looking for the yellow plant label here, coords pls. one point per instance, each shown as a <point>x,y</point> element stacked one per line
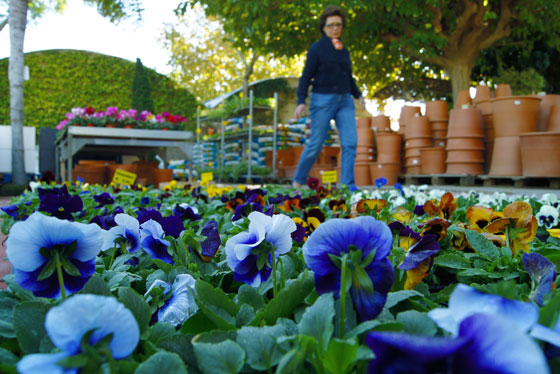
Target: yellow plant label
<point>124,177</point>
<point>329,176</point>
<point>206,177</point>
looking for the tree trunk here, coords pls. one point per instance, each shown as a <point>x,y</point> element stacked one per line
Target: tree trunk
<point>460,76</point>
<point>17,21</point>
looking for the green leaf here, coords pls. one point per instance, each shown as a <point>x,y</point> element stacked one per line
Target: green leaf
<point>482,245</point>
<point>317,321</point>
<point>548,314</point>
<point>47,270</point>
<point>7,305</point>
<point>136,304</point>
<point>361,328</point>
<point>180,344</point>
<point>295,357</point>
<point>226,357</point>
<point>163,265</point>
<point>29,320</point>
<point>95,285</point>
<point>285,302</point>
<point>159,331</point>
<point>16,289</point>
<point>417,323</point>
<point>259,343</point>
<point>162,362</point>
<point>69,267</point>
<point>197,324</point>
<point>249,295</point>
<point>452,260</point>
<point>340,356</point>
<point>212,296</point>
<point>8,357</point>
<point>393,298</point>
<point>245,315</point>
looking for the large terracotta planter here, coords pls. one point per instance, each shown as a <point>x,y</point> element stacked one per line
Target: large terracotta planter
<point>460,168</point>
<point>162,176</point>
<point>506,156</point>
<point>363,122</point>
<point>554,119</point>
<point>540,154</point>
<point>440,142</point>
<point>92,174</point>
<point>439,134</point>
<point>485,106</point>
<point>465,155</point>
<point>465,122</point>
<point>463,98</point>
<point>388,147</point>
<point>389,171</point>
<point>514,115</point>
<point>545,110</point>
<point>465,143</point>
<point>362,174</point>
<point>503,90</point>
<point>482,93</point>
<point>382,123</point>
<point>418,142</point>
<point>437,110</point>
<point>364,157</point>
<point>418,127</point>
<point>412,152</point>
<point>413,165</point>
<point>432,160</point>
<point>365,136</point>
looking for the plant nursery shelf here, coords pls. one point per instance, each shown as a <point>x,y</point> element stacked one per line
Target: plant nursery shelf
<point>116,141</point>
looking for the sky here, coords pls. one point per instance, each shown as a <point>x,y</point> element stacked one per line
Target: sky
<point>81,27</point>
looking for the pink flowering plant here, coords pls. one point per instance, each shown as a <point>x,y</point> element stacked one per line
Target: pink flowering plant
<point>115,117</point>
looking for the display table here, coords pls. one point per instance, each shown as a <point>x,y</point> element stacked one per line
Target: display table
<point>116,141</point>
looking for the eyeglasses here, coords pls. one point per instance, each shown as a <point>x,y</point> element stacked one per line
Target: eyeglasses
<point>334,25</point>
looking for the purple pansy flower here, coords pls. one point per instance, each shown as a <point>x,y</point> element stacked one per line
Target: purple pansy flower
<point>426,246</point>
<point>368,243</point>
<point>153,243</point>
<point>542,273</point>
<point>249,254</point>
<point>34,245</point>
<point>186,212</point>
<point>104,199</point>
<point>59,203</point>
<point>172,225</point>
<point>107,220</point>
<point>212,243</point>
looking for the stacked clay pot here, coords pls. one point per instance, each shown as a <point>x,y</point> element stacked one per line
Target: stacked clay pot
<point>483,101</point>
<point>438,114</point>
<point>548,116</point>
<point>432,160</point>
<point>418,135</point>
<point>388,165</point>
<point>465,142</point>
<point>381,123</point>
<point>407,111</point>
<point>365,151</point>
<point>540,154</point>
<point>513,115</point>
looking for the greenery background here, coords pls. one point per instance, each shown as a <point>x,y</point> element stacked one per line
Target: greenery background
<point>64,79</point>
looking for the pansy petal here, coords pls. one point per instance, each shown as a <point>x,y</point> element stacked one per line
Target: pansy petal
<point>379,234</point>
<point>182,303</point>
<point>542,272</point>
<point>43,364</point>
<point>278,233</point>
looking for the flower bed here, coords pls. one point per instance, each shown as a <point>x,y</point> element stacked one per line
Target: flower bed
<point>221,280</point>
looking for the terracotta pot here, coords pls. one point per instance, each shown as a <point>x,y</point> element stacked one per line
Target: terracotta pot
<point>545,111</point>
<point>540,154</point>
<point>418,142</point>
<point>388,147</point>
<point>432,160</point>
<point>412,152</point>
<point>482,93</point>
<point>381,123</point>
<point>554,118</point>
<point>111,125</point>
<point>92,174</point>
<point>465,143</point>
<point>440,125</point>
<point>162,176</point>
<point>439,134</point>
<point>90,125</point>
<point>488,155</point>
<point>95,162</point>
<point>285,157</point>
<point>407,111</point>
<point>418,127</point>
<point>437,110</point>
<point>506,156</point>
<point>363,122</point>
<point>413,170</point>
<point>210,131</point>
<point>389,171</point>
<point>465,122</point>
<point>363,149</point>
<point>485,106</point>
<point>132,126</point>
<point>365,136</point>
<point>472,168</point>
<point>364,157</point>
<point>362,174</point>
<point>488,127</point>
<point>412,161</point>
<point>145,171</point>
<point>465,155</point>
<point>514,115</point>
<point>440,142</point>
<point>502,90</point>
<point>463,98</point>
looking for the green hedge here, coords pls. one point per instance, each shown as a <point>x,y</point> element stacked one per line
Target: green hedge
<point>64,79</point>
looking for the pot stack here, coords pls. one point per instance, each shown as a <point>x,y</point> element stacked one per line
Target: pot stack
<point>513,115</point>
<point>365,151</point>
<point>407,111</point>
<point>465,142</point>
<point>438,114</point>
<point>418,135</point>
<point>388,163</point>
<point>483,102</point>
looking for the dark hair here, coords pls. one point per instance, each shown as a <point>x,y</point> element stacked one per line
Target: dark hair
<point>332,10</point>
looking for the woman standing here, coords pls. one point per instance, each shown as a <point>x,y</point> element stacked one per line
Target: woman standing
<point>328,70</point>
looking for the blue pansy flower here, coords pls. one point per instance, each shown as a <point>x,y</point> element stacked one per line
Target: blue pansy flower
<point>107,220</point>
<point>426,247</point>
<point>399,187</point>
<point>172,225</point>
<point>103,199</point>
<point>380,182</point>
<point>67,324</point>
<point>485,344</point>
<point>181,305</point>
<point>145,200</point>
<point>542,273</point>
<point>59,203</point>
<point>185,211</point>
<point>210,245</point>
<point>38,243</point>
<point>249,254</point>
<point>127,229</point>
<point>367,242</point>
<point>151,235</point>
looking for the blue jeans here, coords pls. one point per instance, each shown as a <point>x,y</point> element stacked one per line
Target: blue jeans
<point>323,108</point>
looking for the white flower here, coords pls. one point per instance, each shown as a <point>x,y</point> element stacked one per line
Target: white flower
<point>547,216</point>
<point>549,199</point>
